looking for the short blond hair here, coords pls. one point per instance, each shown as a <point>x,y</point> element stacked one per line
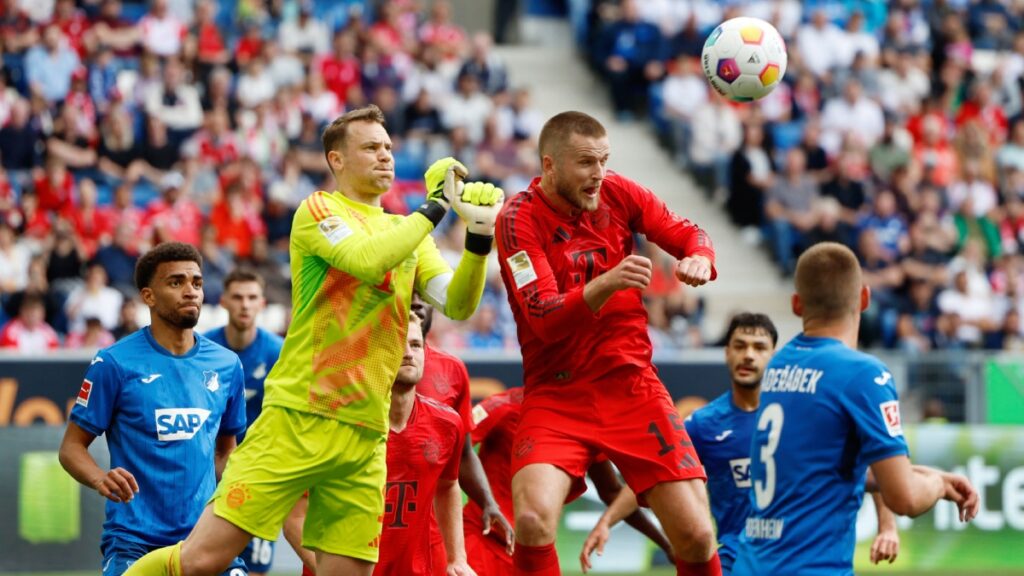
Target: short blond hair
<point>828,281</point>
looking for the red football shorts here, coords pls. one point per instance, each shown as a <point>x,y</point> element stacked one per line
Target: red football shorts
<point>627,415</point>
<point>486,555</point>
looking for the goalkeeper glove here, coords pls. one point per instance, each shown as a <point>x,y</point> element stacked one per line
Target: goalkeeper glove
<point>444,181</point>
<point>478,206</point>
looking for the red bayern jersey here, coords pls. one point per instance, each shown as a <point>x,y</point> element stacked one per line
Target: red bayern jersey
<point>496,419</point>
<point>547,257</point>
<point>446,380</point>
<point>419,456</point>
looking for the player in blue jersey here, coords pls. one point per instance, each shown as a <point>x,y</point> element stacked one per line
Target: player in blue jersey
<point>170,402</point>
<point>721,433</point>
<point>827,414</point>
<point>258,350</point>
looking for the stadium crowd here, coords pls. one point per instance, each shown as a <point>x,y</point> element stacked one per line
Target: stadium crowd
<point>125,124</point>
<point>898,130</point>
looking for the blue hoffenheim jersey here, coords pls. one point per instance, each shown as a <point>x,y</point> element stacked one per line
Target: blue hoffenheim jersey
<point>827,412</point>
<point>162,415</point>
<point>257,360</point>
<point>721,434</point>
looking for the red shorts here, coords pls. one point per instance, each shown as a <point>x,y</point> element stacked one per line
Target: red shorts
<point>627,415</point>
<point>486,554</point>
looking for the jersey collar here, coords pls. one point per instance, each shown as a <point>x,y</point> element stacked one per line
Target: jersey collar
<point>156,345</point>
<point>364,209</point>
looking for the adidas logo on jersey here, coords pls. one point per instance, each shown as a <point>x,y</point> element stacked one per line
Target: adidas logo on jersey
<point>179,423</point>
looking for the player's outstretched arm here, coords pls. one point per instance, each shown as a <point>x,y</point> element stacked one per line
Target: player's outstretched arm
<point>623,505</point>
<point>910,490</point>
<point>448,507</point>
<point>473,481</point>
<point>886,545</point>
<point>118,484</point>
<point>608,489</point>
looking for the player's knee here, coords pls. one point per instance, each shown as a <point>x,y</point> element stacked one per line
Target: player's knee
<point>695,543</point>
<point>534,528</point>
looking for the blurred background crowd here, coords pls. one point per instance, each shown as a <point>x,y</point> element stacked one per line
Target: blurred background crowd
<point>897,130</point>
<point>125,124</point>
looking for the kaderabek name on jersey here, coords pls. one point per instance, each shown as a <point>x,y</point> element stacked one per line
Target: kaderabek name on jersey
<point>791,378</point>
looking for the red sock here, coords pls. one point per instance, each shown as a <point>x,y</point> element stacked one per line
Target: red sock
<point>712,567</point>
<point>536,560</point>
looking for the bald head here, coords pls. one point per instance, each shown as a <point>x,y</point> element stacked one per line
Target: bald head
<point>828,282</point>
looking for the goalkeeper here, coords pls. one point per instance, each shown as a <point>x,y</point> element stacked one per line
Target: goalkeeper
<point>325,418</point>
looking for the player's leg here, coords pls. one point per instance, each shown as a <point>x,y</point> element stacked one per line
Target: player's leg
<point>651,449</point>
<point>538,494</point>
<point>212,545</point>
<point>346,508</point>
<point>682,508</point>
<point>258,556</point>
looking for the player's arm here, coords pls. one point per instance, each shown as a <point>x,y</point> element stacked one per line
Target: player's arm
<point>118,484</point>
<point>886,545</point>
<point>225,446</point>
<point>676,235</point>
<point>448,507</point>
<point>608,489</point>
<point>369,257</point>
<point>473,481</point>
<point>551,314</point>
<point>623,505</point>
<point>293,532</point>
<point>477,204</point>
<point>910,490</point>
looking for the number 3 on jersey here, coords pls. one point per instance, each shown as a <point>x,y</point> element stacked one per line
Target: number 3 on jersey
<point>771,420</point>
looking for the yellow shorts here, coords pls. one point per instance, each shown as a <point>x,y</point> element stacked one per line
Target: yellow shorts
<point>286,453</point>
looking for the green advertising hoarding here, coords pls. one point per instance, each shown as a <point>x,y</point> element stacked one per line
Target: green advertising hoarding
<point>991,456</point>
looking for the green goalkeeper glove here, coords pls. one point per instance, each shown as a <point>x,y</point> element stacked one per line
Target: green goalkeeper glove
<point>444,181</point>
<point>478,206</point>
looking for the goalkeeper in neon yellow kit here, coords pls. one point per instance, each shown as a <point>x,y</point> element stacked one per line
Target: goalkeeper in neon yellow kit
<point>325,415</point>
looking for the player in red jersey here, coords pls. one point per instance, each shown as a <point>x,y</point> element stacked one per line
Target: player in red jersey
<point>565,248</point>
<point>446,380</point>
<point>496,419</point>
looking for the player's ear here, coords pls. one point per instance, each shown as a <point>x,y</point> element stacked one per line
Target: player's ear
<point>797,305</point>
<point>335,160</point>
<point>547,164</point>
<point>148,298</point>
<point>865,297</point>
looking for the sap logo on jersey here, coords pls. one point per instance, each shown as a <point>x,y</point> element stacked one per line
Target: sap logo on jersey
<point>740,472</point>
<point>179,423</point>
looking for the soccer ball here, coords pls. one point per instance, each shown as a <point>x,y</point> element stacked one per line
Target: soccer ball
<point>744,58</point>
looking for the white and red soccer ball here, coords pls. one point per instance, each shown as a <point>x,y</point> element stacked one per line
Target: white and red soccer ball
<point>744,58</point>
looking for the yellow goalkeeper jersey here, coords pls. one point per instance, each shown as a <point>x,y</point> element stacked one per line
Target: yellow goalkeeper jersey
<point>354,269</point>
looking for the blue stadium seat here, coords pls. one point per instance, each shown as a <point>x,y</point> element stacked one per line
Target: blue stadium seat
<point>133,11</point>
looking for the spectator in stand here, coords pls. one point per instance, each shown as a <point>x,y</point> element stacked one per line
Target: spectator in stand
<point>973,311</point>
<point>916,326</point>
<point>92,337</point>
<point>127,321</point>
<point>91,225</point>
<point>174,101</point>
<point>304,34</point>
<point>883,274</point>
<point>485,65</point>
<point>49,66</point>
<point>468,108</point>
<point>716,137</point>
<point>29,333</point>
<point>972,226</point>
<point>237,222</point>
<point>1011,154</point>
<point>14,261</point>
<point>161,32</point>
<point>64,263</point>
<point>174,217</point>
<point>632,55</point>
<point>440,32</point>
<point>21,140</point>
<point>854,114</point>
<point>119,154</point>
<point>815,34</point>
<point>750,176</point>
<point>341,68</point>
<point>206,43</point>
<point>93,299</point>
<point>888,225</point>
<point>850,190</point>
<point>789,209</point>
<point>684,93</point>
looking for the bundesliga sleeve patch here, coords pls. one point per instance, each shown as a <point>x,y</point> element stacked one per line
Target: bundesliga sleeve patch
<point>521,267</point>
<point>479,414</point>
<point>891,415</point>
<point>334,229</point>
<point>83,394</point>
